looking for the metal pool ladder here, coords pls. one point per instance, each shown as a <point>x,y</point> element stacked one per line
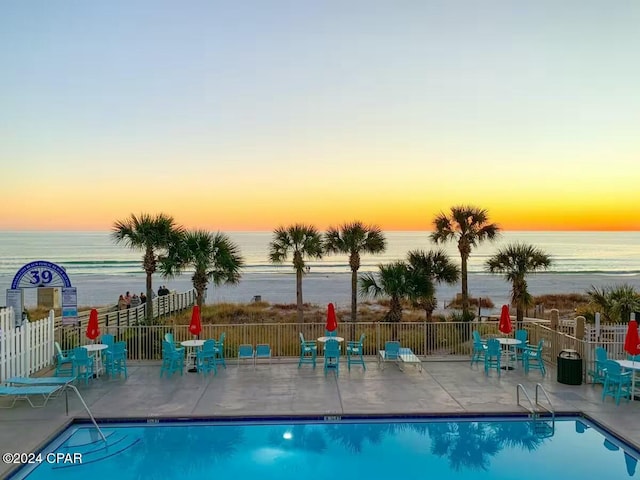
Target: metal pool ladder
<point>542,425</point>
<point>72,387</point>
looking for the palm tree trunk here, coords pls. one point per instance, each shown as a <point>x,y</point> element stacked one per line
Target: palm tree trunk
<point>465,288</point>
<point>299,295</point>
<point>149,303</point>
<point>354,302</point>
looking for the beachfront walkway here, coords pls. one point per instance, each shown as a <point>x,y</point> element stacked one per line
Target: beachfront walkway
<point>283,389</point>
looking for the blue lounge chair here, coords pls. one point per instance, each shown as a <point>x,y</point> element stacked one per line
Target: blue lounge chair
<point>36,381</point>
<point>391,353</point>
<point>308,351</point>
<point>355,352</point>
<point>263,350</point>
<point>492,356</point>
<point>617,384</point>
<point>332,356</point>
<point>245,352</point>
<point>25,392</point>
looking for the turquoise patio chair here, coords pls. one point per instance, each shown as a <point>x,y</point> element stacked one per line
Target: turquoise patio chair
<point>308,351</point>
<point>492,356</point>
<point>206,357</point>
<point>219,357</point>
<point>83,364</point>
<point>64,362</point>
<point>116,362</point>
<point>355,352</point>
<point>109,340</point>
<point>245,352</point>
<point>599,369</point>
<point>168,337</point>
<point>332,356</point>
<point>172,359</point>
<point>617,384</point>
<point>520,348</point>
<point>532,358</point>
<point>391,353</point>
<point>263,350</point>
<point>479,348</point>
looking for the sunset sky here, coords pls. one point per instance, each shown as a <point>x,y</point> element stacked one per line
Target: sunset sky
<point>246,115</point>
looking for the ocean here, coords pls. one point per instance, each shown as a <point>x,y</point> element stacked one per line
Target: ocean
<point>102,270</point>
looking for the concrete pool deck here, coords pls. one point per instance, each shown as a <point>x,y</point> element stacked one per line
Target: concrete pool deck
<point>442,387</point>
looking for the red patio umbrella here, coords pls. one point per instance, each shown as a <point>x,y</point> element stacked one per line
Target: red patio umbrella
<point>505,320</point>
<point>631,339</point>
<point>195,327</point>
<point>93,330</point>
<point>332,322</point>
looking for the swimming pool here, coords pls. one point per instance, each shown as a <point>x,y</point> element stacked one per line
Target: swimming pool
<point>413,448</point>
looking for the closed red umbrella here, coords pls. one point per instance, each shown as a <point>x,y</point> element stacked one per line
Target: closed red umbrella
<point>93,330</point>
<point>332,322</point>
<point>195,327</point>
<point>631,339</point>
<point>505,320</point>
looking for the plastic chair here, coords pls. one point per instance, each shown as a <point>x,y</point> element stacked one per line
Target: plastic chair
<point>172,359</point>
<point>332,356</point>
<point>617,384</point>
<point>479,348</point>
<point>532,357</point>
<point>206,357</point>
<point>168,337</point>
<point>354,353</point>
<point>117,361</point>
<point>245,352</point>
<point>492,356</point>
<point>64,362</point>
<point>219,357</point>
<point>599,369</point>
<point>83,364</point>
<point>308,351</point>
<point>109,340</point>
<point>519,348</point>
<point>391,353</point>
<point>334,333</point>
<point>263,350</point>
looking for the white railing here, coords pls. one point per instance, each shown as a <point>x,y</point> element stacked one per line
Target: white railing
<point>25,349</point>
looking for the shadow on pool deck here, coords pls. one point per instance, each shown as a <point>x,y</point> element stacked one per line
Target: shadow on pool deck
<point>447,387</point>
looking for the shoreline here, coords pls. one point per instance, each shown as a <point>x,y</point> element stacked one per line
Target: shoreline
<point>323,288</point>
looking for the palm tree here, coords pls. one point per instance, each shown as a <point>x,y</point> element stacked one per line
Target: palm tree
<point>469,226</point>
<point>214,257</point>
<point>301,241</point>
<point>615,302</point>
<point>151,234</point>
<point>355,238</point>
<point>399,282</point>
<point>516,261</point>
<point>436,265</point>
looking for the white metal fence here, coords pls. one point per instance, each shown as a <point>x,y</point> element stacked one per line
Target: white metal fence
<point>25,349</point>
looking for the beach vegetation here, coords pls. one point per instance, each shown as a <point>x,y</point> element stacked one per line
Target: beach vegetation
<point>152,234</point>
<point>212,256</point>
<point>468,226</point>
<point>614,303</point>
<point>516,261</point>
<point>438,267</point>
<point>301,242</point>
<point>354,239</point>
<point>398,282</point>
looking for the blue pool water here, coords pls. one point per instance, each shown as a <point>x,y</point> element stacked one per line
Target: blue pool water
<point>460,448</point>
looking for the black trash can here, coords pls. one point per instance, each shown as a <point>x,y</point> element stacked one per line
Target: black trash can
<point>569,367</point>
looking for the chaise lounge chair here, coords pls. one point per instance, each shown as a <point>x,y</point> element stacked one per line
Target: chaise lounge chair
<point>23,393</point>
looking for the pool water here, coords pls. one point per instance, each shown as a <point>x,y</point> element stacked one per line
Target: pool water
<point>460,448</point>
